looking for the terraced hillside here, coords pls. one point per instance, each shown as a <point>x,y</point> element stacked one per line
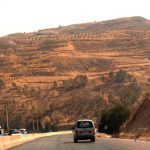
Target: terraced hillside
<point>62,74</point>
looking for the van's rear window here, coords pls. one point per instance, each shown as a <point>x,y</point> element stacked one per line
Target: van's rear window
<point>84,124</point>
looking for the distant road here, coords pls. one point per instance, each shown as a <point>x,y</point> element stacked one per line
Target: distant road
<point>65,142</point>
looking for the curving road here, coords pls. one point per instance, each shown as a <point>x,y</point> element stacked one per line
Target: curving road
<point>65,142</point>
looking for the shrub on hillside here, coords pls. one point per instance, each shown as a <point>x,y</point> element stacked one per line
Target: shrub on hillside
<point>148,79</point>
<point>130,93</point>
<point>113,118</point>
<point>14,85</point>
<point>42,73</point>
<point>33,92</point>
<point>2,84</point>
<point>121,76</point>
<point>78,82</point>
<point>111,74</point>
<point>102,78</point>
<point>55,84</point>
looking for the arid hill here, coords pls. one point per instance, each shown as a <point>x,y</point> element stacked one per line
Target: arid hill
<point>62,74</point>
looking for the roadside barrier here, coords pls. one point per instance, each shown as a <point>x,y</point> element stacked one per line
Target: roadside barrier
<point>14,140</point>
<point>6,141</point>
<point>1,143</point>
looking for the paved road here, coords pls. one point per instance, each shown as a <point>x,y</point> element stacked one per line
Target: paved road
<point>65,142</point>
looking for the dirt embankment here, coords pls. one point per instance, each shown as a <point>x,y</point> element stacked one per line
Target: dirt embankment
<point>139,127</point>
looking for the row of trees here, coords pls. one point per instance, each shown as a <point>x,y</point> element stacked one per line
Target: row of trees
<point>78,82</point>
<point>120,76</point>
<point>29,91</point>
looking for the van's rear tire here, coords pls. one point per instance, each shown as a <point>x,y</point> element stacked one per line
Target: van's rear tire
<point>75,141</point>
<point>93,139</point>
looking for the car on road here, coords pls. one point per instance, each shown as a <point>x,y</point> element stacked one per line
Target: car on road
<point>14,132</point>
<point>84,130</point>
<point>30,131</point>
<point>1,132</point>
<point>23,131</point>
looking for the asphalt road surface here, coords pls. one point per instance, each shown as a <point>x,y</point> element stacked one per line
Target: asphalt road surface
<point>65,142</point>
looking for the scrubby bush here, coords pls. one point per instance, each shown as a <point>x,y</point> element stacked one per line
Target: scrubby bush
<point>148,79</point>
<point>121,76</point>
<point>130,93</point>
<point>2,84</point>
<point>113,118</point>
<point>14,85</point>
<point>111,74</point>
<point>55,84</point>
<point>42,73</point>
<point>33,91</point>
<point>102,78</point>
<point>78,82</point>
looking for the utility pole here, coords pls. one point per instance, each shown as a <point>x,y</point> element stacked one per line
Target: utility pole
<point>7,117</point>
<point>35,116</point>
<point>37,123</point>
<point>33,125</point>
<point>49,127</point>
<point>6,113</point>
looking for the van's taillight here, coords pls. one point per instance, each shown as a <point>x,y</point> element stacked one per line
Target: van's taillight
<point>75,131</point>
<point>93,131</point>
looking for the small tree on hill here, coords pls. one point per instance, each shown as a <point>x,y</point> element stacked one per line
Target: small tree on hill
<point>113,118</point>
<point>32,91</point>
<point>14,85</point>
<point>111,74</point>
<point>102,78</point>
<point>121,76</point>
<point>79,81</point>
<point>2,84</point>
<point>55,85</point>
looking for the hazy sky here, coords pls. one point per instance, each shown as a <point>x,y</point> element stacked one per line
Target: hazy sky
<point>31,15</point>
